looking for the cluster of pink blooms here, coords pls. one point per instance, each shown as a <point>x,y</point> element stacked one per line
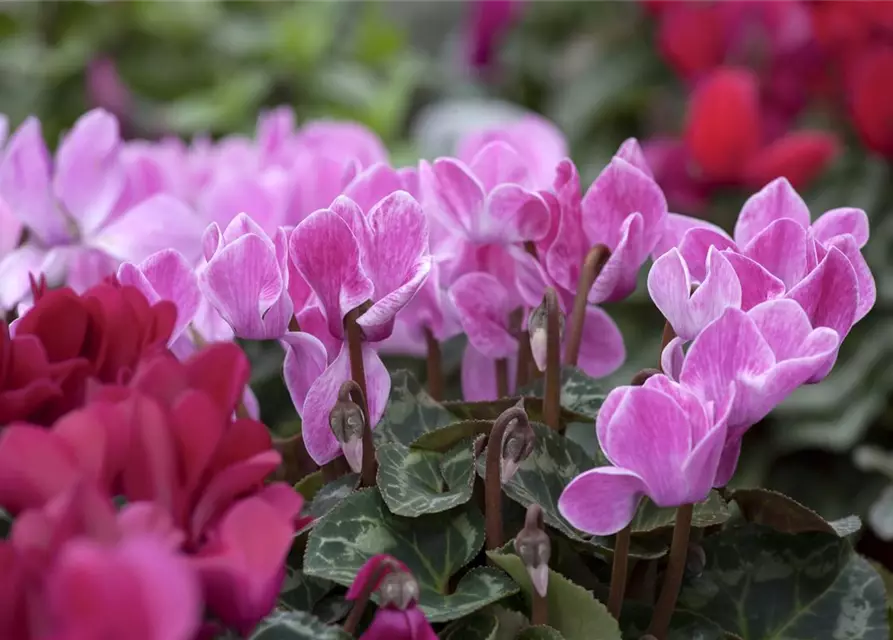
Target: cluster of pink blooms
<point>762,65</point>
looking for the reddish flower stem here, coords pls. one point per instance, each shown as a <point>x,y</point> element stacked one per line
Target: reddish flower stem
<point>552,396</point>
<point>502,378</point>
<point>666,602</point>
<point>492,479</point>
<point>592,267</point>
<point>434,365</point>
<point>358,375</point>
<point>525,360</point>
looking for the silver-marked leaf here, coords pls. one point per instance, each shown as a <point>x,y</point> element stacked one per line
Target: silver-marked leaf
<point>580,393</point>
<point>685,625</point>
<point>410,412</point>
<point>302,593</point>
<point>511,622</point>
<point>490,409</point>
<point>542,632</point>
<point>414,482</point>
<point>762,584</point>
<point>447,437</point>
<point>712,511</point>
<point>297,625</point>
<point>434,547</point>
<point>573,610</point>
<point>776,510</point>
<point>482,625</point>
<point>328,496</point>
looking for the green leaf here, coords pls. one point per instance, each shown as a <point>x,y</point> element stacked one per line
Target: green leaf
<point>711,512</point>
<point>685,625</point>
<point>511,622</point>
<point>482,625</point>
<point>328,496</point>
<point>297,625</point>
<point>762,584</point>
<point>579,392</point>
<point>410,412</point>
<point>573,610</point>
<point>302,593</point>
<point>434,547</point>
<point>447,437</point>
<point>490,409</point>
<point>413,482</point>
<point>541,632</point>
<point>784,514</point>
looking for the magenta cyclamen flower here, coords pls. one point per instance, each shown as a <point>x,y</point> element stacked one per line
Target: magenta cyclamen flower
<point>68,206</point>
<point>351,259</point>
<point>246,278</point>
<point>664,441</point>
<point>752,361</point>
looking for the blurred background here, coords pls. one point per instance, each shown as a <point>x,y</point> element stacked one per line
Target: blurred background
<point>724,96</point>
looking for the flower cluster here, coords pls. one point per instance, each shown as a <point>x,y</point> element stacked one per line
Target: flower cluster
<point>762,65</point>
<point>96,408</point>
<point>764,313</point>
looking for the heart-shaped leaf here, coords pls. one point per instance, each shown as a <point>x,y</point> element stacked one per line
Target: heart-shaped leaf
<point>327,497</point>
<point>297,625</point>
<point>490,409</point>
<point>649,518</point>
<point>445,438</point>
<point>776,510</point>
<point>541,632</point>
<point>482,625</point>
<point>573,611</point>
<point>410,412</point>
<point>760,583</point>
<point>414,482</point>
<point>302,593</point>
<point>434,547</point>
<point>580,393</point>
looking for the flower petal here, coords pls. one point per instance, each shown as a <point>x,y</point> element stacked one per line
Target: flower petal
<point>372,185</point>
<point>483,306</point>
<point>620,273</point>
<point>15,267</point>
<point>782,248</point>
<point>675,228</point>
<point>757,284</point>
<point>512,214</point>
<point>695,246</point>
<point>602,350</point>
<point>776,201</point>
<point>838,222</point>
<point>457,194</point>
<point>631,152</point>
<point>830,294</point>
<point>478,375</point>
<point>849,245</point>
<point>305,360</point>
<point>498,163</point>
<point>601,501</point>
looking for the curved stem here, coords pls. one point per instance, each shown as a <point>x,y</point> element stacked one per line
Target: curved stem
<point>358,375</point>
<point>666,602</point>
<point>552,396</point>
<point>434,366</point>
<point>362,600</point>
<point>592,266</point>
<point>492,480</point>
<point>619,571</point>
<point>502,378</point>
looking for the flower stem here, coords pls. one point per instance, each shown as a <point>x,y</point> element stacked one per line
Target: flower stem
<point>592,267</point>
<point>525,359</point>
<point>619,570</point>
<point>539,610</point>
<point>502,378</point>
<point>435,366</point>
<point>666,602</point>
<point>552,399</point>
<point>358,375</point>
<point>492,479</point>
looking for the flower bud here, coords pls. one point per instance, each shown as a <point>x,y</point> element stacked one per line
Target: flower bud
<point>538,328</point>
<point>517,444</point>
<point>347,423</point>
<point>534,548</point>
<point>399,589</point>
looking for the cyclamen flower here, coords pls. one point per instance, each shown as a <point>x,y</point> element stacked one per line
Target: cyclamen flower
<point>664,441</point>
<point>349,259</point>
<point>752,361</point>
<point>75,569</point>
<point>247,278</point>
<point>67,207</point>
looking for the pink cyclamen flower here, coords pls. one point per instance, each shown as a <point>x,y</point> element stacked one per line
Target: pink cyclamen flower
<point>775,244</point>
<point>246,279</point>
<point>664,442</point>
<point>67,205</point>
<point>752,360</point>
<point>348,259</point>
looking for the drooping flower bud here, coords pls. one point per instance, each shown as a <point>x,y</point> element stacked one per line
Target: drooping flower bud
<point>399,589</point>
<point>347,423</point>
<point>534,547</point>
<point>517,444</point>
<point>537,327</point>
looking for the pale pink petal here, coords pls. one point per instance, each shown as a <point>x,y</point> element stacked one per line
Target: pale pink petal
<point>830,294</point>
<point>565,253</point>
<point>620,273</point>
<point>757,284</point>
<point>782,248</point>
<point>633,154</point>
<point>10,229</point>
<point>458,196</point>
<point>838,222</point>
<point>232,193</point>
<point>344,139</point>
<point>702,465</point>
<point>672,357</point>
<point>161,222</point>
<point>25,184</point>
<point>89,177</point>
<point>849,246</point>
<point>719,291</point>
<point>166,275</point>
<point>498,163</point>
<point>305,360</point>
<point>776,201</point>
<point>601,501</point>
<point>86,267</point>
<point>210,325</point>
<point>326,253</point>
<point>675,228</point>
<point>478,375</point>
<point>483,306</point>
<point>396,260</point>
<point>15,267</point>
<point>318,437</point>
<point>601,351</point>
<point>696,244</point>
<point>728,462</point>
<point>512,214</point>
<point>619,191</point>
<point>373,185</point>
<point>669,286</point>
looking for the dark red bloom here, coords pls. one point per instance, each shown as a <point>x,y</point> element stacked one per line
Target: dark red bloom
<point>66,339</point>
<point>871,99</point>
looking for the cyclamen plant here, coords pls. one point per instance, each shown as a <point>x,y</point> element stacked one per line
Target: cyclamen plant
<point>145,496</point>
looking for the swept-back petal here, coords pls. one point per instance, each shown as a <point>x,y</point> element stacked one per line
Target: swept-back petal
<point>483,306</point>
<point>776,201</point>
<point>602,501</point>
<point>842,221</point>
